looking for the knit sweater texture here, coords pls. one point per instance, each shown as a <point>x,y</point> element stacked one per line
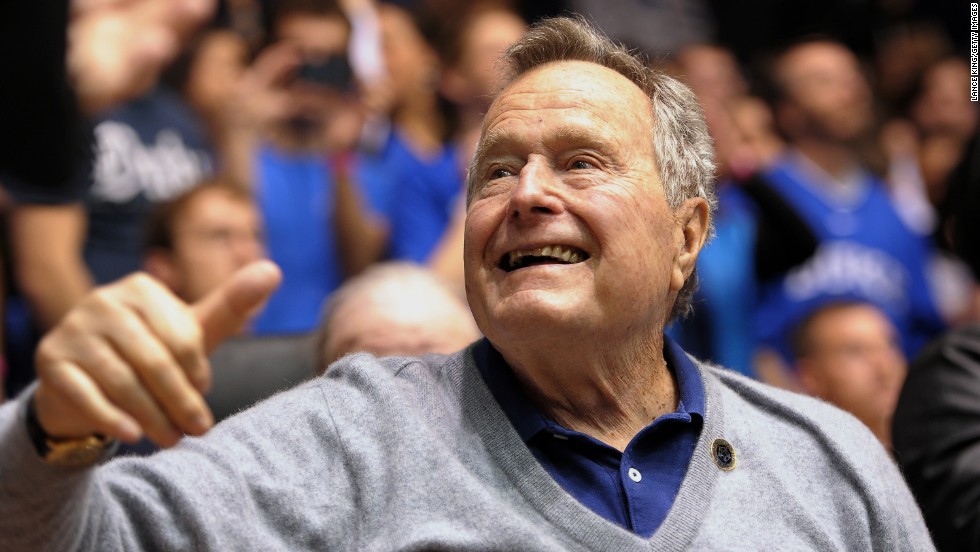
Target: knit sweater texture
<point>415,454</point>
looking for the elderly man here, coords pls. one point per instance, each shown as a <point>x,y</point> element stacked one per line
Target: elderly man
<point>575,425</point>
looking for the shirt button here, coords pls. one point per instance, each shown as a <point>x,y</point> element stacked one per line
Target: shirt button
<point>635,475</point>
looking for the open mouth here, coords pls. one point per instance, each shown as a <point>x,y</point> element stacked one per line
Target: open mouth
<point>549,254</point>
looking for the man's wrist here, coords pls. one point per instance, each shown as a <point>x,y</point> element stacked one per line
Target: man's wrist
<point>71,452</point>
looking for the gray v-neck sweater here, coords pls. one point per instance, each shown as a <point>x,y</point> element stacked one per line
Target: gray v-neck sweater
<point>415,454</point>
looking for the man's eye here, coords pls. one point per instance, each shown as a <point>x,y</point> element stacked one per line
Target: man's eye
<point>579,165</point>
<point>500,173</point>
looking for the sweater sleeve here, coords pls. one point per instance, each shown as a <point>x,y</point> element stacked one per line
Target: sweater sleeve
<point>42,507</point>
<point>268,478</point>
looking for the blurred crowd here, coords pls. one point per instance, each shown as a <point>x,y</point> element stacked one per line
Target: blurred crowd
<point>331,136</point>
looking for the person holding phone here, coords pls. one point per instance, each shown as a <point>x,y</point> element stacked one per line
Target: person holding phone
<point>296,121</point>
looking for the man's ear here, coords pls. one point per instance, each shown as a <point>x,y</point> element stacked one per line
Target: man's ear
<point>692,219</point>
<point>159,264</point>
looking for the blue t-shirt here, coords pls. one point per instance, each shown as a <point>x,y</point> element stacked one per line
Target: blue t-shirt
<point>147,151</point>
<point>421,195</point>
<point>866,253</point>
<point>634,488</point>
<point>295,194</point>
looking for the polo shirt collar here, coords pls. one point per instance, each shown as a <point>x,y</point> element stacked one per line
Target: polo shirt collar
<point>528,420</point>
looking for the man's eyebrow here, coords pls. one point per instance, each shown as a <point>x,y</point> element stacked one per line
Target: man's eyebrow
<point>490,140</point>
<point>562,137</point>
<point>579,137</point>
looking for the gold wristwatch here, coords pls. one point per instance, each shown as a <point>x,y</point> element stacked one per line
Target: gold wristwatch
<point>69,453</point>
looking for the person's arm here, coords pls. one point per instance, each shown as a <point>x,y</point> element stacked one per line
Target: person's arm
<point>117,48</point>
<point>783,239</point>
<point>362,235</point>
<point>128,360</point>
<point>259,480</point>
<point>259,104</point>
<point>47,243</point>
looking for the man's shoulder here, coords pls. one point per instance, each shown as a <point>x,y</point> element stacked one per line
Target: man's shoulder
<point>809,464</point>
<point>786,421</point>
<point>429,387</point>
<point>367,369</point>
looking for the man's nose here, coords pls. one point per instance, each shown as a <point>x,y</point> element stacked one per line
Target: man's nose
<point>538,190</point>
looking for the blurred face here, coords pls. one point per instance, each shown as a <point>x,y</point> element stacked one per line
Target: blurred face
<point>568,227</point>
<point>486,39</point>
<point>218,66</point>
<point>215,236</point>
<point>856,363</point>
<point>712,72</point>
<point>828,96</point>
<point>754,125</point>
<point>944,106</point>
<point>318,38</point>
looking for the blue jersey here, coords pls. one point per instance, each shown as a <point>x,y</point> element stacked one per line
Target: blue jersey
<point>866,253</point>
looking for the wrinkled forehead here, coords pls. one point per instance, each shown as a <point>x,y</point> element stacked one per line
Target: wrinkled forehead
<point>564,102</point>
<point>568,84</point>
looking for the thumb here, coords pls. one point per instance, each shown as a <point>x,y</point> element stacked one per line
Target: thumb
<point>224,311</point>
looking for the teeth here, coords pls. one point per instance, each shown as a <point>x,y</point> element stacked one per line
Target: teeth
<point>555,251</point>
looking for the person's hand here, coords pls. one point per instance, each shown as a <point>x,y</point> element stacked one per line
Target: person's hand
<point>131,358</point>
<point>117,48</point>
<point>262,98</point>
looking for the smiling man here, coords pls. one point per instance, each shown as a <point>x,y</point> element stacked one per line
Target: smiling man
<point>574,425</point>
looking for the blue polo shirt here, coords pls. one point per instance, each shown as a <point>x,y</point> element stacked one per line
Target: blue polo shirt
<point>635,488</point>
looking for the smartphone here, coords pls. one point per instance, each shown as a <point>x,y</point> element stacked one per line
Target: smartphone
<point>332,72</point>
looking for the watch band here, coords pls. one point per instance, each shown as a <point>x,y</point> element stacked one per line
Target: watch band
<point>76,452</point>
